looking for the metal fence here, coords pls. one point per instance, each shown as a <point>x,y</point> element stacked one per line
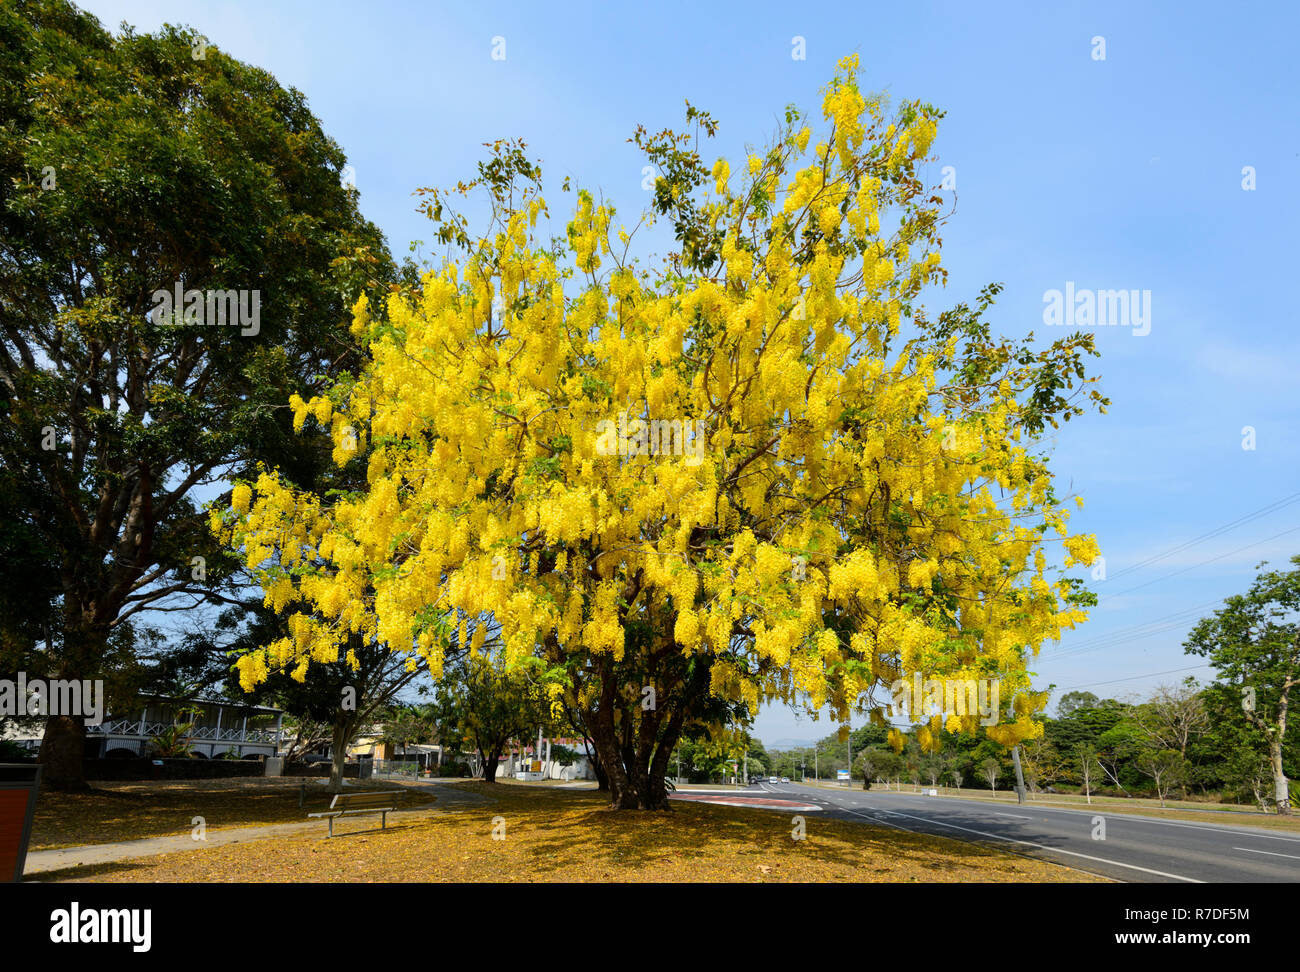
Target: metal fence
<point>396,768</point>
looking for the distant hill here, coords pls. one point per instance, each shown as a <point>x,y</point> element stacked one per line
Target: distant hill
<point>789,744</point>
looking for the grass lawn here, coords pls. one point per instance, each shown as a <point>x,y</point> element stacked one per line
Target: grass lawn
<point>554,834</point>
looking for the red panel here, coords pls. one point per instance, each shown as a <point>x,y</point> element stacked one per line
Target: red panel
<point>13,813</point>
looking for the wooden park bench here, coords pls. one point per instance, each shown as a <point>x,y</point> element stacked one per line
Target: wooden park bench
<point>375,801</point>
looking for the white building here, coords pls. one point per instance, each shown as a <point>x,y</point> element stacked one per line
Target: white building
<point>219,726</point>
<point>535,762</point>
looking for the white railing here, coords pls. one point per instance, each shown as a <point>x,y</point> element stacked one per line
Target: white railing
<point>204,734</point>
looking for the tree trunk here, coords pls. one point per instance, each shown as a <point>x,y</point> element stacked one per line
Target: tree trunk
<point>657,785</point>
<point>490,762</point>
<point>1281,790</point>
<point>63,745</point>
<point>636,778</point>
<point>602,778</point>
<point>575,719</point>
<point>339,754</point>
<point>63,748</point>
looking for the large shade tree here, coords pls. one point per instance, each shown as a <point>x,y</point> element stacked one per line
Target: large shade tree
<point>1253,643</point>
<point>759,470</point>
<point>133,164</point>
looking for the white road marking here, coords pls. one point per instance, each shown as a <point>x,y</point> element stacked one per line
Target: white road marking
<point>1269,853</point>
<point>887,823</point>
<point>1030,843</point>
<point>1016,815</point>
<point>1099,810</point>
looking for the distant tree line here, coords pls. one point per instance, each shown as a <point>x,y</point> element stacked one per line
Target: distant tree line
<point>1229,740</point>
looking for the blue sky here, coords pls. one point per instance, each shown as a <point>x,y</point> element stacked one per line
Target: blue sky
<point>1122,173</point>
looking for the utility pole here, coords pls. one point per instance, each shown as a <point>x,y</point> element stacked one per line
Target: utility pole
<point>1020,777</point>
<point>1015,755</point>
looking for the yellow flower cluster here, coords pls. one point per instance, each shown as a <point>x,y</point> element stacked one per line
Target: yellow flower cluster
<point>805,468</point>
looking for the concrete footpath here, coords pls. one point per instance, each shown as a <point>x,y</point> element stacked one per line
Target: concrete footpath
<point>449,797</point>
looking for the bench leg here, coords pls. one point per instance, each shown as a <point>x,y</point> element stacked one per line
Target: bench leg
<point>383,820</point>
<point>331,820</point>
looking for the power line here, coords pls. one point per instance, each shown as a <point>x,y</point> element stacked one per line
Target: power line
<point>1217,531</point>
<point>1132,678</point>
<point>1118,642</point>
<point>1138,632</point>
<point>1203,563</point>
<point>1171,621</point>
<point>1124,633</point>
<point>1158,625</point>
<point>1175,619</point>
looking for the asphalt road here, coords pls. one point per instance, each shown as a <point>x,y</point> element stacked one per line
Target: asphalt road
<point>1134,848</point>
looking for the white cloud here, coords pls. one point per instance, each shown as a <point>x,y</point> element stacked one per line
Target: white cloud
<point>1248,365</point>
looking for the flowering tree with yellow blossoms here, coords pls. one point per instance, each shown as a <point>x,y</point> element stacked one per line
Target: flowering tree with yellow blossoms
<point>758,471</point>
